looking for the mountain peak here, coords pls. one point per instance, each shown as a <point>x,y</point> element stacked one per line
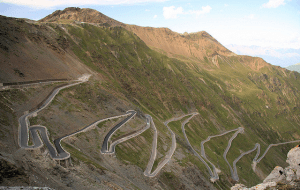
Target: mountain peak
<point>81,15</point>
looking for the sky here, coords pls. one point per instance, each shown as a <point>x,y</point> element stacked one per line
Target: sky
<point>266,28</point>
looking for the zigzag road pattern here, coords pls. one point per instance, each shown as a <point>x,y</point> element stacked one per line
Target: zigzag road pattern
<point>40,136</point>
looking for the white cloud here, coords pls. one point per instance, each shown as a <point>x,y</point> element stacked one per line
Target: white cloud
<point>155,16</point>
<point>171,12</point>
<point>147,10</point>
<point>276,56</point>
<point>226,5</point>
<point>259,51</point>
<point>46,4</point>
<point>251,16</point>
<point>204,10</point>
<point>273,3</point>
<point>292,55</point>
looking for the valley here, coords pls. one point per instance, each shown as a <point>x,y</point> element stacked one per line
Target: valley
<point>202,114</point>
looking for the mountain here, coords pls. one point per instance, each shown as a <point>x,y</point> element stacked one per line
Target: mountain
<point>295,67</point>
<point>80,15</point>
<point>230,105</point>
<point>193,46</point>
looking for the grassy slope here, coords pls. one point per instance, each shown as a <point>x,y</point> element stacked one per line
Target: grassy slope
<point>165,86</point>
<point>226,98</point>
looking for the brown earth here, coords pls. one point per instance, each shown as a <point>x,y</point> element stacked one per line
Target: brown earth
<point>81,15</point>
<point>35,54</point>
<point>194,46</point>
<point>37,51</point>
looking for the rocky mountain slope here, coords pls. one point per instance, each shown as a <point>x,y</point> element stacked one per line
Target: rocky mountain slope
<point>153,71</point>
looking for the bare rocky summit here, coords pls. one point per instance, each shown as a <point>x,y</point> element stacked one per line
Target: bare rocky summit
<point>81,15</point>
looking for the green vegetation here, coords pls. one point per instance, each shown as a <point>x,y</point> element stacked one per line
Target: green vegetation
<point>140,155</point>
<point>171,180</point>
<point>226,98</point>
<point>264,101</point>
<point>80,156</point>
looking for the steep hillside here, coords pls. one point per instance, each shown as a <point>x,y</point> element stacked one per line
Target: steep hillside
<point>195,45</point>
<point>240,101</point>
<point>35,52</point>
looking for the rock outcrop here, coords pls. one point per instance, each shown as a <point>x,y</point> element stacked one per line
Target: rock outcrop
<point>289,177</point>
<point>81,15</point>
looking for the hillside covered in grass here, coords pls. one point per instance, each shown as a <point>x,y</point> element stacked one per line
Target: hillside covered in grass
<point>156,72</point>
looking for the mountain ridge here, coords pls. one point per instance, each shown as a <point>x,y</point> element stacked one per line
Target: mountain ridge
<point>188,46</point>
<point>295,67</point>
<point>82,15</point>
<point>228,91</point>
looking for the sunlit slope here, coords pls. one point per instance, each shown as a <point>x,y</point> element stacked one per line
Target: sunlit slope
<point>238,91</point>
<point>228,91</point>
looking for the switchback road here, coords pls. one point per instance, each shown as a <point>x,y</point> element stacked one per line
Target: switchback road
<point>105,149</point>
<point>39,136</point>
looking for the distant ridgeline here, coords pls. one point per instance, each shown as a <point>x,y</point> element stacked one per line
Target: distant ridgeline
<point>295,67</point>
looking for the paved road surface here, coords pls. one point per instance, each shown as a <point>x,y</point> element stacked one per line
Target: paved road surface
<point>213,174</point>
<point>169,154</point>
<point>24,122</point>
<point>233,175</point>
<point>57,141</point>
<point>105,149</point>
<point>39,136</point>
<point>114,144</point>
<point>150,164</point>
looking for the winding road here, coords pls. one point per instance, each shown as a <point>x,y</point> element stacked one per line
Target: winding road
<point>37,141</point>
<point>167,157</point>
<point>110,150</point>
<point>40,136</point>
<point>105,149</point>
<point>39,133</point>
<point>213,173</point>
<point>233,169</point>
<point>239,130</point>
<point>215,170</point>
